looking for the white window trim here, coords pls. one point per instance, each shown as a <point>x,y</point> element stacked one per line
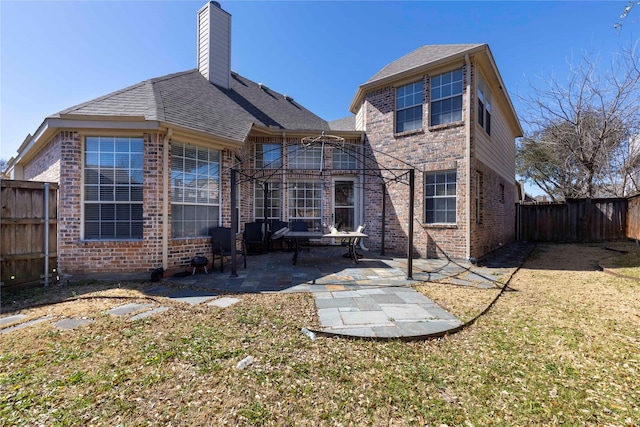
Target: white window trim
<point>217,204</point>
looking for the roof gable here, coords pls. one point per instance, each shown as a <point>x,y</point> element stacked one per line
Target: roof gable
<point>421,57</point>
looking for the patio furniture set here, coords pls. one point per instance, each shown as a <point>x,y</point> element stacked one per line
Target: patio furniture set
<point>292,236</point>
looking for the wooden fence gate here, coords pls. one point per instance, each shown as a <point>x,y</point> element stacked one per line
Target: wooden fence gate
<point>28,232</point>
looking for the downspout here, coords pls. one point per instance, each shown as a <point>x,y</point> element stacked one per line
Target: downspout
<point>468,159</point>
<point>165,199</point>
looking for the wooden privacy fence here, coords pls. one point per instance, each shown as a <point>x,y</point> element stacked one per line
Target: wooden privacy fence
<point>28,232</point>
<point>633,218</point>
<point>577,220</point>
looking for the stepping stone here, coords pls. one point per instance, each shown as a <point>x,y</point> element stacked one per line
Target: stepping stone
<point>149,313</point>
<point>224,302</point>
<point>123,310</point>
<point>25,324</point>
<point>192,297</point>
<point>71,323</point>
<point>11,319</point>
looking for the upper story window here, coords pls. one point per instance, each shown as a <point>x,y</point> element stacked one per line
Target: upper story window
<point>446,98</point>
<point>484,106</point>
<point>409,107</point>
<point>345,157</point>
<point>113,190</point>
<point>440,197</point>
<point>195,190</point>
<point>268,156</point>
<point>303,157</point>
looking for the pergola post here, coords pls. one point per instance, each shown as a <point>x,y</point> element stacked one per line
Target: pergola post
<point>384,217</point>
<point>267,208</point>
<point>412,185</point>
<point>234,223</point>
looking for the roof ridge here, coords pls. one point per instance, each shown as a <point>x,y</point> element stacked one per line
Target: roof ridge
<point>129,88</point>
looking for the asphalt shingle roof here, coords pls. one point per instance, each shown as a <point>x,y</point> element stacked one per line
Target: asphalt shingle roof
<point>420,57</point>
<point>189,100</point>
<point>344,124</point>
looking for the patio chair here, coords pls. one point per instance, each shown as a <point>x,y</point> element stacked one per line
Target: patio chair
<point>277,229</point>
<point>253,236</point>
<point>351,252</point>
<point>221,246</point>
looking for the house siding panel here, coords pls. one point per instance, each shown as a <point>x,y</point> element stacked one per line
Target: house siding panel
<point>497,150</point>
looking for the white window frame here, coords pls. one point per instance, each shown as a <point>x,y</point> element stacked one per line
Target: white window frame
<point>440,197</point>
<point>258,200</point>
<point>113,179</point>
<point>268,155</point>
<point>484,106</point>
<point>446,92</point>
<point>409,100</point>
<point>346,157</point>
<point>304,200</point>
<point>304,157</point>
<point>195,190</point>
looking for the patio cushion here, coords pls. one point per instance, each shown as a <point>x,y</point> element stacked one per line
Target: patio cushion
<point>278,234</point>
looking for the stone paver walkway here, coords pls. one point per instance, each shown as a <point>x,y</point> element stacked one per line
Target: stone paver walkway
<point>373,298</point>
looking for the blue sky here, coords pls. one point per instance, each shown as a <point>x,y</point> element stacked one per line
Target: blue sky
<point>55,54</point>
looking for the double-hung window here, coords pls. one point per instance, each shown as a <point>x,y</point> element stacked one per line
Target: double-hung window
<point>268,156</point>
<point>305,202</point>
<point>446,98</point>
<point>304,157</point>
<point>195,190</point>
<point>113,188</point>
<point>345,157</point>
<point>273,201</point>
<point>409,107</point>
<point>440,197</point>
<point>484,106</point>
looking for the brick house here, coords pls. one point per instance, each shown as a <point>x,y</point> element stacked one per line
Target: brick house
<point>145,171</point>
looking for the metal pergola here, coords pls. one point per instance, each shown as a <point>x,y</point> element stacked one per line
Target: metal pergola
<point>369,167</point>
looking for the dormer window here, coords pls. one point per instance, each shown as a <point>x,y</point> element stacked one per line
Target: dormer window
<point>409,107</point>
<point>446,98</point>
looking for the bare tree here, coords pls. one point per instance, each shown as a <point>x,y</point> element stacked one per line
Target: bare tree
<point>580,130</point>
<point>625,13</point>
<point>3,166</point>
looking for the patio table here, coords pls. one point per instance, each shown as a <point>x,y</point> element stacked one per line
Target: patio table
<point>296,236</point>
<point>352,237</point>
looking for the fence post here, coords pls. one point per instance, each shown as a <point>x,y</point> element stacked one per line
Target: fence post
<point>46,234</point>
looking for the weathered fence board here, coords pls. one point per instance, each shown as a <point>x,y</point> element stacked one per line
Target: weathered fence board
<point>582,220</point>
<point>27,221</point>
<point>633,218</point>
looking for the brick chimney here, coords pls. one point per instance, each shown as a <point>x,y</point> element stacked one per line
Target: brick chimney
<point>214,44</point>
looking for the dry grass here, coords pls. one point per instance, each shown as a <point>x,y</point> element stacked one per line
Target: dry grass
<point>560,347</point>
